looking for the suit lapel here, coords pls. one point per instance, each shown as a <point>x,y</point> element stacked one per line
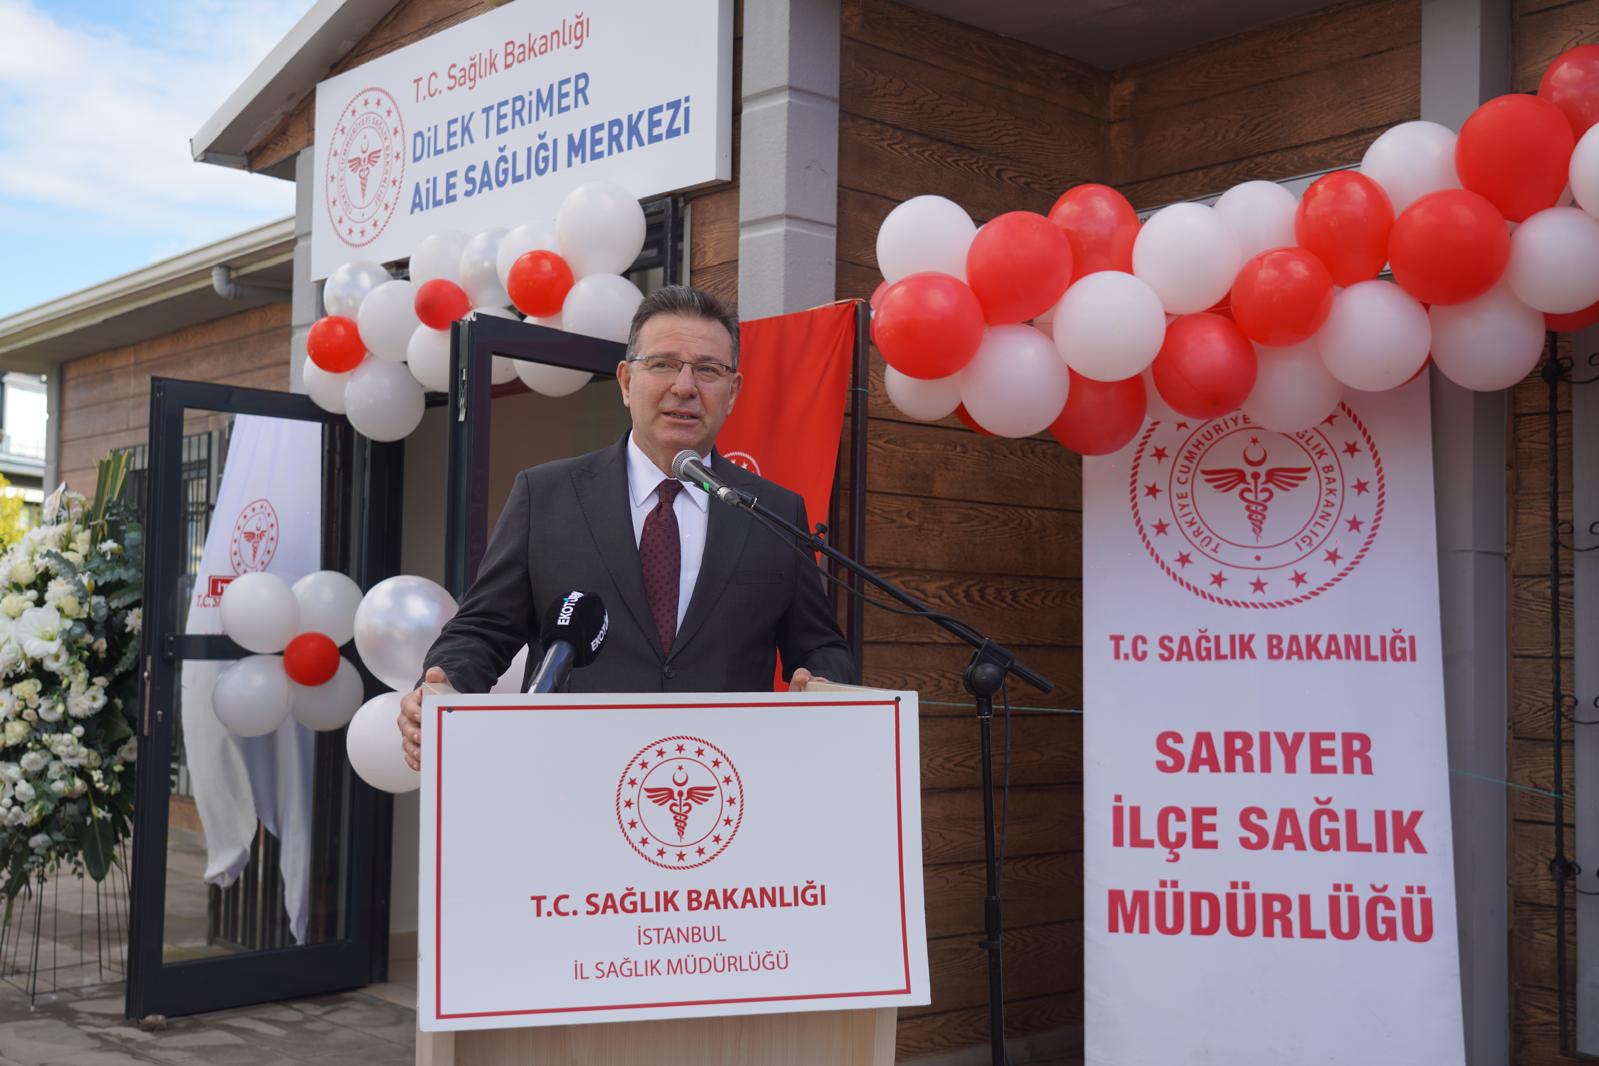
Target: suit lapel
<point>602,495</point>
<point>725,532</point>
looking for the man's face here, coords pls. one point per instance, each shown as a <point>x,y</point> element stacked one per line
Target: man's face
<point>674,411</point>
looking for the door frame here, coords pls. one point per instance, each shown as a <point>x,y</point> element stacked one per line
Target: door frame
<point>361,499</point>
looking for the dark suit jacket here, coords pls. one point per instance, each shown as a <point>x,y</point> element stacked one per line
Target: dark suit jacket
<point>567,525</point>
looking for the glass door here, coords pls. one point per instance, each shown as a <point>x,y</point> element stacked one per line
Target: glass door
<point>260,865</point>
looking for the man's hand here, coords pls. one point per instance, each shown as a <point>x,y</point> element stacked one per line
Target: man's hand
<point>796,683</point>
<point>410,720</point>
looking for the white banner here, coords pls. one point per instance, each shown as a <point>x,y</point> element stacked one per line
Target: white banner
<point>621,857</point>
<point>493,121</point>
<point>1268,861</point>
<point>268,517</point>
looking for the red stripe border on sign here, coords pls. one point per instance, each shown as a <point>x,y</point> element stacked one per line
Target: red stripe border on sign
<point>438,860</point>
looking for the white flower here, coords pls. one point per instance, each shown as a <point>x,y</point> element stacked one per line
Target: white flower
<point>39,631</point>
<point>39,841</point>
<point>33,761</point>
<point>28,689</point>
<point>8,704</point>
<point>23,572</point>
<point>77,732</point>
<point>12,604</point>
<point>82,542</point>
<point>10,655</point>
<point>57,660</point>
<point>25,792</point>
<point>135,620</point>
<point>110,547</point>
<point>14,732</point>
<point>50,711</point>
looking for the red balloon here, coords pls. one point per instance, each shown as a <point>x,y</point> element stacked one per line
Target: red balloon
<point>1206,367</point>
<point>971,423</point>
<point>1282,296</point>
<point>1516,151</point>
<point>335,344</point>
<point>538,283</point>
<point>440,302</point>
<point>1572,321</point>
<point>1448,247</point>
<point>1100,417</point>
<point>1344,219</point>
<point>1018,265</point>
<point>929,325</point>
<point>1572,84</point>
<point>311,659</point>
<point>1101,227</point>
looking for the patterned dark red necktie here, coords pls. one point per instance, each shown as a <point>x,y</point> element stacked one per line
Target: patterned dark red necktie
<point>660,551</point>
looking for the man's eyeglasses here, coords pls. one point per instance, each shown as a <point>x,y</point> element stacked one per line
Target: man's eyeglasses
<point>706,371</point>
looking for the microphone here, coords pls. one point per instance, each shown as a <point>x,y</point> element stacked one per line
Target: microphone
<point>686,466</point>
<point>572,634</point>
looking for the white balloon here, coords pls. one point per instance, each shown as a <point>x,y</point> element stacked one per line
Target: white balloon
<point>327,601</point>
<point>1488,343</point>
<point>599,229</point>
<point>1585,172</point>
<point>601,305</point>
<point>480,275</point>
<point>1109,325</point>
<point>1158,409</point>
<point>511,680</point>
<point>1188,255</point>
<point>428,356</point>
<point>1376,337</point>
<point>251,696</point>
<point>1261,216</point>
<point>1016,384</point>
<point>1411,160</point>
<point>331,704</point>
<point>1293,389</point>
<point>326,390</point>
<point>924,399</point>
<point>259,612</point>
<point>383,401</point>
<point>925,233</point>
<point>551,380</point>
<point>438,256</point>
<point>373,745</point>
<point>388,318</point>
<point>521,240</point>
<point>348,285</point>
<point>1554,260</point>
<point>398,620</point>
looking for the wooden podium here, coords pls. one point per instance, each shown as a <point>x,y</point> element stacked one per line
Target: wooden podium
<point>814,1038</point>
<point>864,1036</point>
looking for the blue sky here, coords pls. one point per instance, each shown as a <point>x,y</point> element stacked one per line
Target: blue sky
<point>98,101</point>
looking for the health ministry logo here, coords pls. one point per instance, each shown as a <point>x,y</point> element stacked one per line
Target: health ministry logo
<point>1247,517</point>
<point>679,802</point>
<point>365,167</point>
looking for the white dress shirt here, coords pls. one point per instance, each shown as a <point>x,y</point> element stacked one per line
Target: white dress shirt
<point>691,507</point>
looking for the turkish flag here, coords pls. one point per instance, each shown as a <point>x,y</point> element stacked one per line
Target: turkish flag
<point>789,417</point>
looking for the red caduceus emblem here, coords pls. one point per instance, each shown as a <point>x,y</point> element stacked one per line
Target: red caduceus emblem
<point>1255,488</point>
<point>679,802</point>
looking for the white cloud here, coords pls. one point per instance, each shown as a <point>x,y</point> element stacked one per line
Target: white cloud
<point>95,118</point>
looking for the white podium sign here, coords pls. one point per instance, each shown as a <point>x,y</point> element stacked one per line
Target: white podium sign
<point>628,857</point>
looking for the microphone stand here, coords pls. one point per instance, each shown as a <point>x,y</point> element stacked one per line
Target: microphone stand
<point>985,674</point>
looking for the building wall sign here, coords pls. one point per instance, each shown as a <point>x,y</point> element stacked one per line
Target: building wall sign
<point>493,121</point>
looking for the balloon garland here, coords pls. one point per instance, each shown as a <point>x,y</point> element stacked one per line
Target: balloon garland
<point>1262,302</point>
<point>385,341</point>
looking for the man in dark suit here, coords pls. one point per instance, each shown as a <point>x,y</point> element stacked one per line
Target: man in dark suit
<point>701,596</point>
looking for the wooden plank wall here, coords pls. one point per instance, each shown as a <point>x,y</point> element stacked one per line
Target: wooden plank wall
<point>1544,29</point>
<point>989,529</point>
<point>105,397</point>
<point>1301,95</point>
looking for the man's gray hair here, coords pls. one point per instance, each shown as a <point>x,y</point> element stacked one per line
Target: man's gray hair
<point>688,302</point>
